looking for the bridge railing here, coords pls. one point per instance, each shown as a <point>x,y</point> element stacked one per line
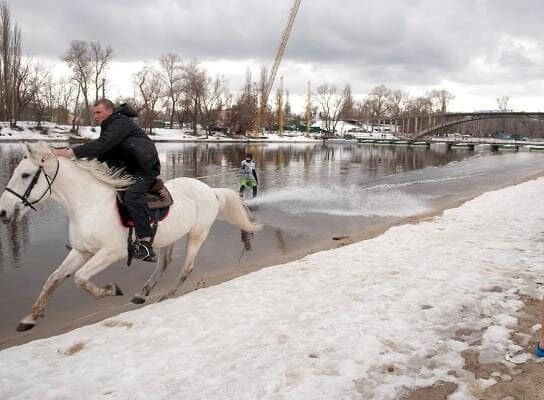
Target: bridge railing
<point>478,140</point>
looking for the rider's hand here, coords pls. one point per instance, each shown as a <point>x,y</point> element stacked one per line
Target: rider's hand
<point>64,152</point>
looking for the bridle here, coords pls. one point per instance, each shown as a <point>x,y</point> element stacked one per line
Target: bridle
<point>24,197</point>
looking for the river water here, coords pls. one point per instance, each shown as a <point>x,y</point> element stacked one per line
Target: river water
<point>311,197</point>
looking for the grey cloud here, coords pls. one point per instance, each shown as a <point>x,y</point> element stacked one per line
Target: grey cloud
<point>421,41</point>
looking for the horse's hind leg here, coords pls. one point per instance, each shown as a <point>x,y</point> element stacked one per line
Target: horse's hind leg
<point>194,241</point>
<point>165,257</point>
<point>71,263</point>
<point>97,263</point>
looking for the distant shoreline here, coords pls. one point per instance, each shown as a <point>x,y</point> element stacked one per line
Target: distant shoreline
<point>262,141</point>
<point>167,140</point>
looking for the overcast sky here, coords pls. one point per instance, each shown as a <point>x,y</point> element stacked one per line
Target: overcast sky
<point>477,49</point>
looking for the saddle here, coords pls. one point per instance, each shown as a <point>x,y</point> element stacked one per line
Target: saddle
<point>158,200</point>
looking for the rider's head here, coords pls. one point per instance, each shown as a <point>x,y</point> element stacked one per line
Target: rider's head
<point>103,108</point>
<point>249,156</point>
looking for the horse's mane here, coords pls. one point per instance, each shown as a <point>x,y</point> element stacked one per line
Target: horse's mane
<point>114,177</point>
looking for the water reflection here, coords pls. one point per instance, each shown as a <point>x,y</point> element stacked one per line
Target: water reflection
<point>282,244</point>
<point>246,237</point>
<point>15,238</point>
<point>281,164</point>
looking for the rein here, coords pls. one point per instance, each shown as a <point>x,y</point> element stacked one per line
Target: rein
<point>24,197</point>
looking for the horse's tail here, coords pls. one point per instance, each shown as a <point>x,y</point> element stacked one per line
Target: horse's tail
<point>232,209</point>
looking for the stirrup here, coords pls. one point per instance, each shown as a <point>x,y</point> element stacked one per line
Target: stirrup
<point>144,251</point>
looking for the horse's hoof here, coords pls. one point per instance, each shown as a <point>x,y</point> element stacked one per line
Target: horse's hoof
<point>23,326</point>
<point>137,300</point>
<point>116,290</point>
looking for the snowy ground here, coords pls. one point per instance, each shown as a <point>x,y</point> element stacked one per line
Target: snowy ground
<point>28,131</point>
<point>370,320</point>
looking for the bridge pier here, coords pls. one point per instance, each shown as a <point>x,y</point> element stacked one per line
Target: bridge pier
<point>498,146</point>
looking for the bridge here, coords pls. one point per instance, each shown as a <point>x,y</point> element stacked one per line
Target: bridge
<point>414,127</point>
<point>467,143</point>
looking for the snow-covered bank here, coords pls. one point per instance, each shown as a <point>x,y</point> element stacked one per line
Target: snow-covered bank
<point>29,131</point>
<point>53,132</point>
<point>369,320</point>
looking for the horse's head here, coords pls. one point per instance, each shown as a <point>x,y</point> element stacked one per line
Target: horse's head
<point>30,182</point>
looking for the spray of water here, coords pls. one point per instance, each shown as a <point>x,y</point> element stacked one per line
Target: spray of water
<point>383,201</point>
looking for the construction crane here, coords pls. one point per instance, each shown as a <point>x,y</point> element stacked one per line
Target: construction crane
<point>279,55</point>
<point>308,108</point>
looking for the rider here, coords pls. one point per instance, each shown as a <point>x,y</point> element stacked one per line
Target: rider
<point>123,144</point>
<point>248,175</point>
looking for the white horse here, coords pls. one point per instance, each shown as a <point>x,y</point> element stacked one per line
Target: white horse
<point>87,190</point>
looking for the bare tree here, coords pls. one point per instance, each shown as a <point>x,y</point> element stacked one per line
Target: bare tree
<point>213,101</point>
<point>503,103</point>
<point>5,60</point>
<point>194,88</point>
<point>23,92</point>
<point>331,101</point>
<point>364,110</point>
<point>396,102</point>
<point>10,62</point>
<point>183,111</point>
<point>265,118</point>
<point>100,58</point>
<point>279,116</point>
<point>420,105</point>
<point>441,99</point>
<point>348,108</point>
<point>287,107</point>
<point>49,95</point>
<point>244,111</point>
<point>43,93</point>
<point>378,100</point>
<point>16,66</point>
<point>76,119</point>
<point>172,73</point>
<point>65,96</point>
<point>79,59</point>
<point>149,85</point>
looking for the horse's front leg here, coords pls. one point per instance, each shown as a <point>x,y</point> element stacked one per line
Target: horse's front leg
<point>73,261</point>
<point>97,263</point>
<point>165,257</point>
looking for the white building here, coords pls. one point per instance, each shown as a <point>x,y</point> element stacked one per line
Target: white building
<point>361,130</point>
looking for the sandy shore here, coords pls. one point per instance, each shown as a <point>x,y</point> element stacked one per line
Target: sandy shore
<point>514,381</point>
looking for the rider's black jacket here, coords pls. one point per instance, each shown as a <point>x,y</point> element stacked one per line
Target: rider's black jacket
<point>123,144</point>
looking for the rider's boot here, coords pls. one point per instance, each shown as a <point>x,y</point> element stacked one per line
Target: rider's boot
<point>143,250</point>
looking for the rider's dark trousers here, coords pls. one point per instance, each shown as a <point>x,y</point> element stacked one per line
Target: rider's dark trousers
<point>137,206</point>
